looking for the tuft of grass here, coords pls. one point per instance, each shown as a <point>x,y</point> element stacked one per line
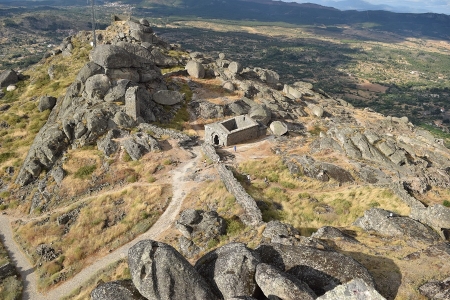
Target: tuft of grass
<point>6,156</point>
<point>446,203</point>
<point>85,171</point>
<point>234,226</point>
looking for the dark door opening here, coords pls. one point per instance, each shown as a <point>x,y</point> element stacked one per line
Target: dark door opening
<point>216,140</point>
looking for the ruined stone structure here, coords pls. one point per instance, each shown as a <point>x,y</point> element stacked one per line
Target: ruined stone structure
<point>232,131</point>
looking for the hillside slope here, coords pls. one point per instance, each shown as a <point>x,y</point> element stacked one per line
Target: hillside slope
<point>97,166</point>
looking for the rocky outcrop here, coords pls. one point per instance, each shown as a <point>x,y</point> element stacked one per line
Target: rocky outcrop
<point>322,171</point>
<point>234,271</point>
<point>354,290</point>
<point>195,69</point>
<point>436,290</point>
<point>159,272</point>
<point>139,144</point>
<point>93,105</point>
<point>7,270</point>
<point>278,128</point>
<point>201,227</point>
<point>121,289</point>
<point>46,252</point>
<point>168,97</point>
<point>331,233</point>
<point>230,270</point>
<point>183,139</point>
<point>46,102</point>
<point>7,78</point>
<point>276,284</point>
<point>320,270</point>
<point>390,224</point>
<point>436,216</point>
<point>260,113</point>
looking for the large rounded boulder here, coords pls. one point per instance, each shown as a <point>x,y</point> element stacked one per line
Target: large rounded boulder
<point>159,272</point>
<point>97,86</point>
<point>321,270</point>
<point>195,69</point>
<point>274,282</point>
<point>121,289</point>
<point>230,270</point>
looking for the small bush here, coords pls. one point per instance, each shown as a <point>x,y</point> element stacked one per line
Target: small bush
<point>167,161</point>
<point>374,204</point>
<point>6,156</point>
<point>304,195</point>
<point>446,203</point>
<point>132,178</point>
<point>288,185</point>
<point>127,157</point>
<point>212,243</point>
<point>85,171</point>
<point>234,226</point>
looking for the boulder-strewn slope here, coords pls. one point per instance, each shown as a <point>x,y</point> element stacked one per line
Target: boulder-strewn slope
<point>119,99</point>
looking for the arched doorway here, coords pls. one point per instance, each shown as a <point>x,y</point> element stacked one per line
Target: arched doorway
<point>216,139</point>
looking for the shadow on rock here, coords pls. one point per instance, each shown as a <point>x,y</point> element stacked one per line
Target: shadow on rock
<point>385,272</point>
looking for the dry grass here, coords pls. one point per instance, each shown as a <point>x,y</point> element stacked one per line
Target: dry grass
<point>308,204</point>
<point>115,271</point>
<point>10,287</point>
<point>114,219</point>
<point>212,195</point>
<point>212,90</point>
<point>23,117</point>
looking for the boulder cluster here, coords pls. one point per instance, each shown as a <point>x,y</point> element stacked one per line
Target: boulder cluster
<point>120,87</point>
<point>234,271</point>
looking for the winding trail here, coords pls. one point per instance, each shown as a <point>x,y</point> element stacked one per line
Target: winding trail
<point>26,270</point>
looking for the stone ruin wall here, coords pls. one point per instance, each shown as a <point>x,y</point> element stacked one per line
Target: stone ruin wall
<point>232,131</point>
<point>252,215</point>
<point>242,135</point>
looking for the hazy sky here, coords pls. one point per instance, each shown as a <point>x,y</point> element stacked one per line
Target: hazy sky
<point>414,6</point>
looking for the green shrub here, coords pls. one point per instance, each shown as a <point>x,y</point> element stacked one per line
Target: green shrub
<point>288,185</point>
<point>212,243</point>
<point>127,157</point>
<point>132,178</point>
<point>234,226</point>
<point>446,203</point>
<point>374,204</point>
<point>6,156</point>
<point>304,195</point>
<point>85,171</point>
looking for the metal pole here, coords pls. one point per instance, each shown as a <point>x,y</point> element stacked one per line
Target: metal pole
<point>93,24</point>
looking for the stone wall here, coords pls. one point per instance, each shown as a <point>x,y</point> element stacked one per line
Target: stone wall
<point>242,135</point>
<point>252,215</point>
<point>213,130</point>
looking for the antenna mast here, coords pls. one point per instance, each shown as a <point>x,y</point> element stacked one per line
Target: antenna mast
<point>94,43</point>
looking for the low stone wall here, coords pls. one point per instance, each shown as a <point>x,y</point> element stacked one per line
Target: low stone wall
<point>210,151</point>
<point>252,215</point>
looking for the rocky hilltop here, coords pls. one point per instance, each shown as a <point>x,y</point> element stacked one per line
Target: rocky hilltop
<point>121,102</point>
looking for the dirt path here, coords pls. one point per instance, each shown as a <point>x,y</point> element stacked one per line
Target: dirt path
<point>180,189</point>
